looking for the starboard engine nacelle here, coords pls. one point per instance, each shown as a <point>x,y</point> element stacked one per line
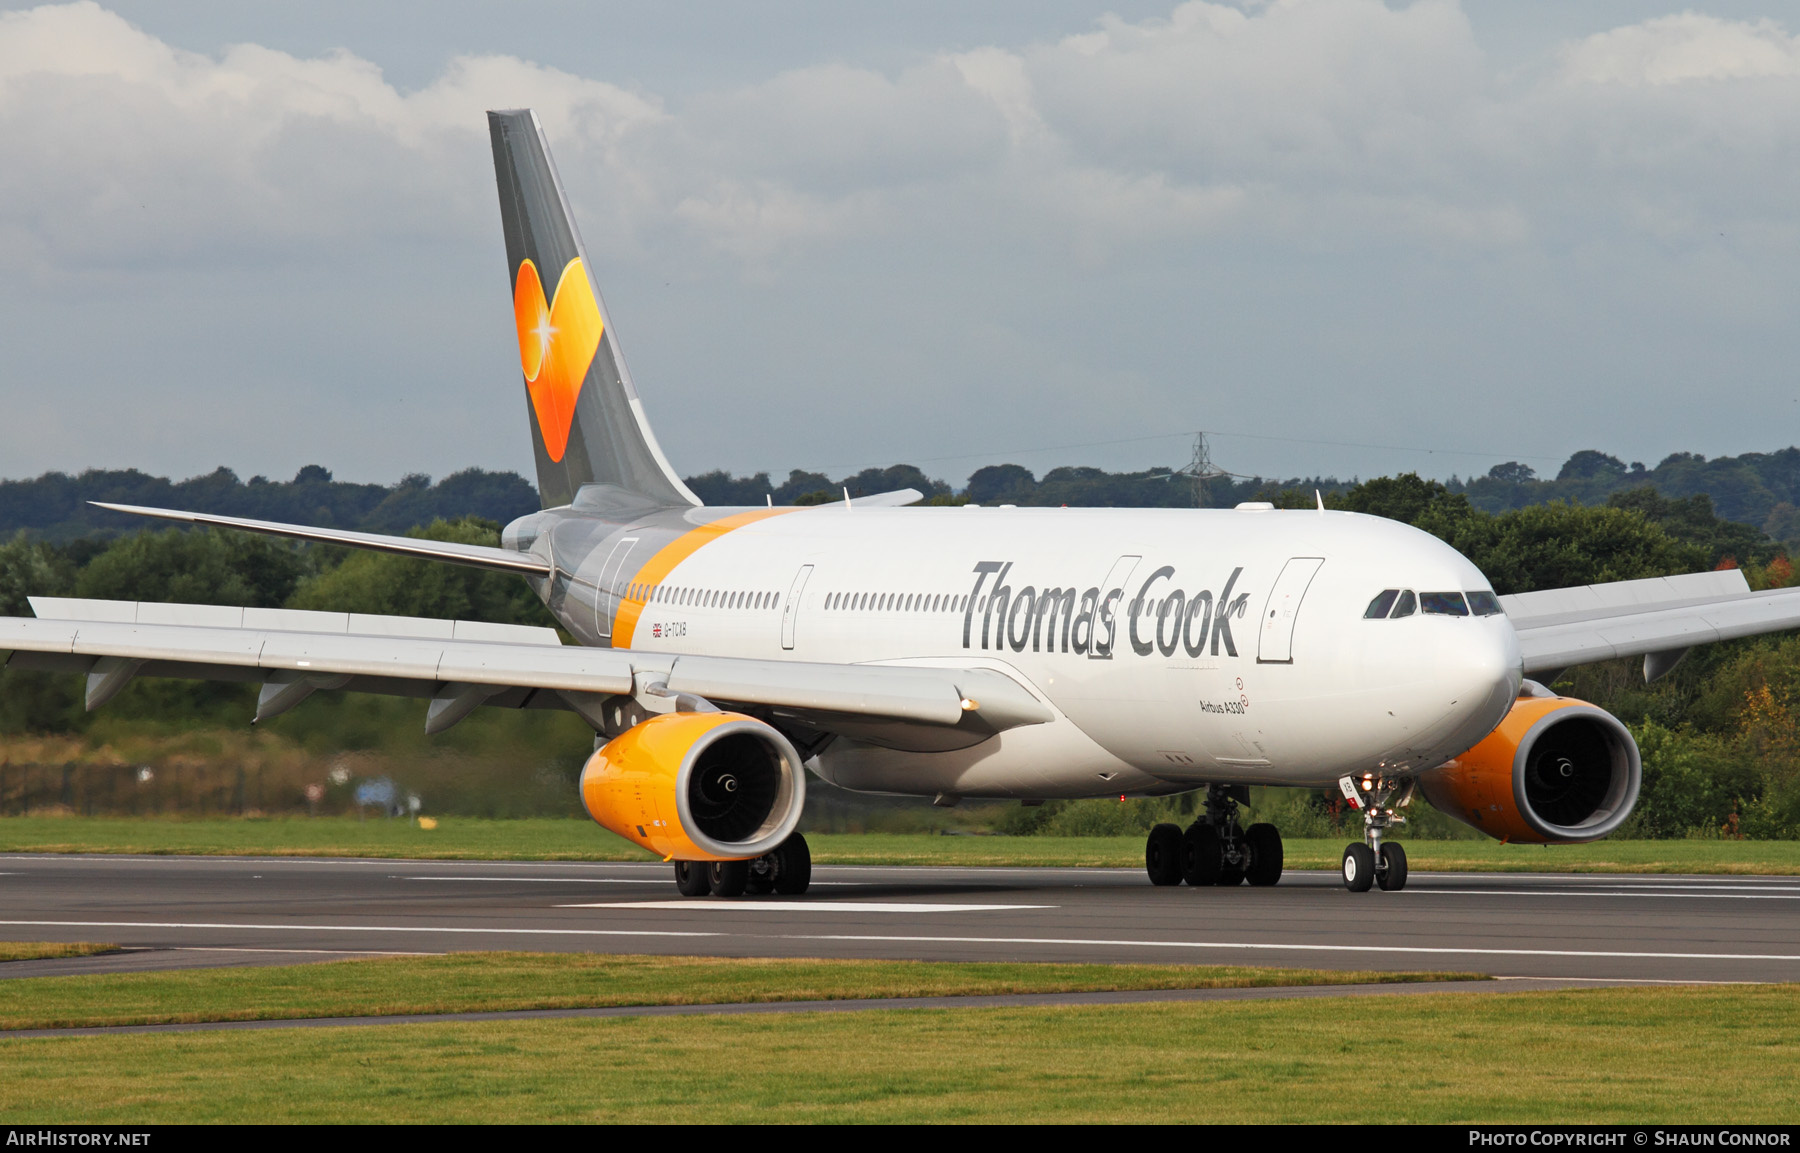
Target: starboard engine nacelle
<point>1555,771</point>
<point>697,786</point>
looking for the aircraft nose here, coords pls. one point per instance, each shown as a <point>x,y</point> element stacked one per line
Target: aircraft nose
<point>1480,673</point>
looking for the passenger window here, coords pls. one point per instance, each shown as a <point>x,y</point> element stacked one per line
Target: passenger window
<point>1378,608</point>
<point>1444,604</point>
<point>1485,604</point>
<point>1407,606</point>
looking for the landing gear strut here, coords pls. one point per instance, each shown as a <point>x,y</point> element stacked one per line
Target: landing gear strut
<point>1376,861</point>
<point>1216,849</point>
<point>786,870</point>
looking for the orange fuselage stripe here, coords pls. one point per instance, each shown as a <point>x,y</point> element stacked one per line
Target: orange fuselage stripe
<point>663,563</point>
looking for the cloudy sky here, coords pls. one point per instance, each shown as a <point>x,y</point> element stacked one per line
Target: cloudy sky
<point>1342,235</point>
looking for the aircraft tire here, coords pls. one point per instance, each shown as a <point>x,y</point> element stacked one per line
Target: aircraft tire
<point>690,879</point>
<point>1359,868</point>
<point>1266,857</point>
<point>793,866</point>
<point>728,878</point>
<point>1162,855</point>
<point>1392,874</point>
<point>1202,855</point>
<point>761,882</point>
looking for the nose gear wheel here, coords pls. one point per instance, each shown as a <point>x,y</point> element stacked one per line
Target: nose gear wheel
<point>1376,861</point>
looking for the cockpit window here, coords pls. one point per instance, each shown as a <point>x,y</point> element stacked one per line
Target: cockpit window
<point>1378,608</point>
<point>1485,604</point>
<point>1444,604</point>
<point>1408,603</point>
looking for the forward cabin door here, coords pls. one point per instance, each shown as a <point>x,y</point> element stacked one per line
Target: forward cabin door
<point>1276,645</point>
<point>606,591</point>
<point>790,609</point>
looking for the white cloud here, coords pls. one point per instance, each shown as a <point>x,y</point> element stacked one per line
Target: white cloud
<point>1652,164</point>
<point>1682,49</point>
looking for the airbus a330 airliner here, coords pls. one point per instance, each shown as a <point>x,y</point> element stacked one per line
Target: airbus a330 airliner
<point>1023,653</point>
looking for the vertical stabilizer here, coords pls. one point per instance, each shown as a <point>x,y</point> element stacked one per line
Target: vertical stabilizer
<point>587,424</point>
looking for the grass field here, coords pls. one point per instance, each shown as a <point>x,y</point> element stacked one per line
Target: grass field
<point>463,838</point>
<point>49,950</point>
<point>1674,1055</point>
<point>479,982</point>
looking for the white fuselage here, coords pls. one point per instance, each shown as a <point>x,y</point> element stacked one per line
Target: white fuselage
<point>1169,643</point>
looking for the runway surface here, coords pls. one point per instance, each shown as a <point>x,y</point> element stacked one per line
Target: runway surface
<point>193,911</point>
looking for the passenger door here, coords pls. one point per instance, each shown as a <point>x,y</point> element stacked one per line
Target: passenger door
<point>790,609</point>
<point>1114,590</point>
<point>1276,645</point>
<point>606,591</point>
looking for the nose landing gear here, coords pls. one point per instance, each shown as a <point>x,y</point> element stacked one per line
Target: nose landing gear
<point>1375,861</point>
<point>1216,850</point>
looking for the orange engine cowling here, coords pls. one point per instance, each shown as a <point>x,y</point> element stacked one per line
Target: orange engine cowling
<point>697,786</point>
<point>1555,771</point>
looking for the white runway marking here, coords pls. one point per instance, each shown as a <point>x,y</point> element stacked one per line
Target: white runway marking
<point>285,952</point>
<point>364,929</point>
<point>1251,946</point>
<point>1239,946</point>
<point>808,906</point>
<point>1687,896</point>
<point>1701,885</point>
<point>580,881</point>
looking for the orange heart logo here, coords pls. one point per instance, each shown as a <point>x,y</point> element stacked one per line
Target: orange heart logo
<point>557,342</point>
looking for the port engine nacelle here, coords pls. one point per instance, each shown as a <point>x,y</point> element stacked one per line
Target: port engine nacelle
<point>697,786</point>
<point>1556,771</point>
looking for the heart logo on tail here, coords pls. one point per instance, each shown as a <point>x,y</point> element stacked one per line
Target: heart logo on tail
<point>557,342</point>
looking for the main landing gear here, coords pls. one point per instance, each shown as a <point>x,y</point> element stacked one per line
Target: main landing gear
<point>786,870</point>
<point>1376,861</point>
<point>1215,849</point>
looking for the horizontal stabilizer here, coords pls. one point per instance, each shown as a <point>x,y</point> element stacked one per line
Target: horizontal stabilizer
<point>473,555</point>
<point>895,499</point>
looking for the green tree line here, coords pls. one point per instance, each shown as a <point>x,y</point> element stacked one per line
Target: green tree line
<point>1719,734</point>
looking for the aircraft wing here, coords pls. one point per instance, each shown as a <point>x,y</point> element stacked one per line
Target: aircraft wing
<point>1658,619</point>
<point>461,665</point>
